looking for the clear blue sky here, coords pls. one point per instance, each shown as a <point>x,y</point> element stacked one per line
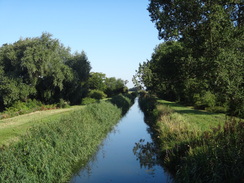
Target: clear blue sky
<point>116,35</point>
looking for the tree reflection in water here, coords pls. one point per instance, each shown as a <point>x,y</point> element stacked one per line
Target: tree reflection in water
<point>146,153</point>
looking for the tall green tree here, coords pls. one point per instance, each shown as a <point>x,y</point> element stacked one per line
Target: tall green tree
<point>96,81</point>
<point>40,68</point>
<point>78,87</point>
<point>211,33</point>
<point>115,86</point>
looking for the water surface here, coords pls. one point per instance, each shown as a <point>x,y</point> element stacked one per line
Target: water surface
<point>115,161</point>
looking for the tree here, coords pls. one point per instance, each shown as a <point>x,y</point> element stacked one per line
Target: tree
<point>96,81</point>
<point>114,86</point>
<point>77,88</point>
<point>175,19</point>
<point>211,33</point>
<point>35,68</point>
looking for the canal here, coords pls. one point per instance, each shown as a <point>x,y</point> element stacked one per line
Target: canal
<point>117,159</point>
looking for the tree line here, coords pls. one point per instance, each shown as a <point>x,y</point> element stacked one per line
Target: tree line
<point>42,68</point>
<point>201,59</point>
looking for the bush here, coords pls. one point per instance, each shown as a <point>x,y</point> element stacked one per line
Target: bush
<point>204,99</point>
<point>62,104</point>
<point>30,105</point>
<point>122,102</point>
<point>19,107</point>
<point>88,100</point>
<point>216,109</point>
<point>97,94</point>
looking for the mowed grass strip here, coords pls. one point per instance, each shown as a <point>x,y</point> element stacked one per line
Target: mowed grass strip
<point>202,120</point>
<point>12,128</point>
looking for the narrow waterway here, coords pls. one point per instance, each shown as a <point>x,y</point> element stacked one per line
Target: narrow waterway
<point>116,160</point>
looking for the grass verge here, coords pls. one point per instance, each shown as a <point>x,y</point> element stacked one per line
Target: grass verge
<point>196,146</point>
<point>12,128</point>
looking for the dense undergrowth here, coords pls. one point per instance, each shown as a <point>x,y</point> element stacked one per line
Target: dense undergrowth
<point>19,108</point>
<point>193,154</point>
<point>51,152</point>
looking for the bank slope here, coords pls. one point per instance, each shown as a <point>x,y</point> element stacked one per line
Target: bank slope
<point>52,151</point>
<point>196,146</point>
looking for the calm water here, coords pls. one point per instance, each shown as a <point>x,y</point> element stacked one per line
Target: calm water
<point>115,162</point>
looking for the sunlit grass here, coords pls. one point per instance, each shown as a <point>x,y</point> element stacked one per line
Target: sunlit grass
<point>201,119</point>
<point>196,146</point>
<point>12,128</point>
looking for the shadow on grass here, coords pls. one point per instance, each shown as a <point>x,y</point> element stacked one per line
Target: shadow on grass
<point>196,112</point>
<point>184,109</point>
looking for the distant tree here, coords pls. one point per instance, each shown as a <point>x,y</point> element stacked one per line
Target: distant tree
<point>96,81</point>
<point>115,86</point>
<point>77,88</point>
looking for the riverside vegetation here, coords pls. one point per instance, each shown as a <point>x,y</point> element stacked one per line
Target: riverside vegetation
<point>204,148</point>
<point>52,151</point>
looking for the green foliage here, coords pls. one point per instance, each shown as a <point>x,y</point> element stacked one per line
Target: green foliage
<point>88,100</point>
<point>204,99</point>
<point>77,88</point>
<point>18,107</point>
<point>202,52</point>
<point>147,104</point>
<point>122,102</point>
<point>80,65</point>
<point>97,81</point>
<point>111,86</point>
<point>62,104</point>
<point>216,156</point>
<point>97,94</point>
<point>115,86</point>
<point>195,154</point>
<point>50,152</point>
<point>41,68</point>
<point>216,109</point>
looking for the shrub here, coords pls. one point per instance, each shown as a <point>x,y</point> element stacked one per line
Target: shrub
<point>97,94</point>
<point>19,107</point>
<point>30,105</point>
<point>88,100</point>
<point>122,102</point>
<point>62,104</point>
<point>216,109</point>
<point>204,99</point>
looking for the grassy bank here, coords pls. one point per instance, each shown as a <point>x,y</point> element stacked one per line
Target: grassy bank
<point>12,128</point>
<point>50,152</point>
<point>196,146</point>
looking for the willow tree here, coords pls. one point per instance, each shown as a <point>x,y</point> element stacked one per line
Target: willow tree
<point>36,68</point>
